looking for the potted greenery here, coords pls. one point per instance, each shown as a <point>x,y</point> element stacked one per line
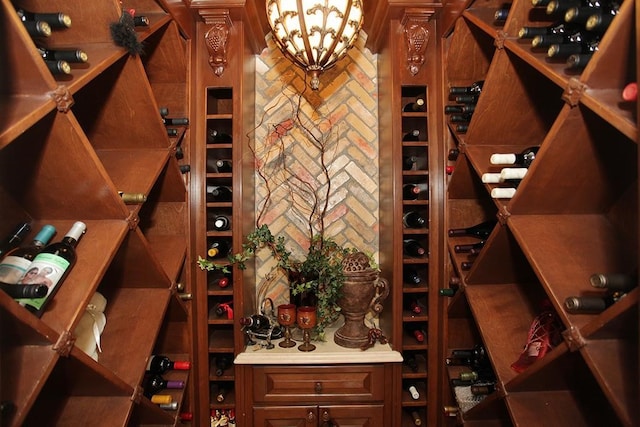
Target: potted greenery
<point>320,271</point>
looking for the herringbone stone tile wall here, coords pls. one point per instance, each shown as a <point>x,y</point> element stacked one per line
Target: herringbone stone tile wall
<point>343,115</point>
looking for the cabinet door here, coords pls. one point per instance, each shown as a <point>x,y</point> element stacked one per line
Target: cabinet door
<point>285,416</point>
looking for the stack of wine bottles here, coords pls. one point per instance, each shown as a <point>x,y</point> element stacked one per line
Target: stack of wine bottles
<point>154,384</point>
<point>479,231</point>
<point>466,98</point>
<point>577,31</point>
<point>39,26</point>
<point>223,417</point>
<point>613,286</point>
<point>476,379</point>
<point>509,177</point>
<point>32,274</point>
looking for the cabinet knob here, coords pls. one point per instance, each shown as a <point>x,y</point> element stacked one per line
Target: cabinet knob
<point>318,387</point>
<point>326,419</point>
<point>311,417</point>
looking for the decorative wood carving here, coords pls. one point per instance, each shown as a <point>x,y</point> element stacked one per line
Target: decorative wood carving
<point>217,37</point>
<point>62,97</point>
<point>416,37</point>
<point>65,343</point>
<point>573,92</point>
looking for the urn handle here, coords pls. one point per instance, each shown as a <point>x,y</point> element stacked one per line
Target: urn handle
<point>382,292</point>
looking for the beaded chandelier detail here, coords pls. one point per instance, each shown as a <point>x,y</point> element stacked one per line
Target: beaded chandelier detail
<point>315,34</point>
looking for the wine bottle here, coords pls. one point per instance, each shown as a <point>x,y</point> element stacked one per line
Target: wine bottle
<point>164,111</point>
<point>413,248</point>
<point>185,169</point>
<point>467,98</point>
<point>255,322</point>
<point>179,152</point>
<point>218,249</point>
<point>447,292</point>
<point>577,44</point>
<point>224,309</point>
<point>462,128</point>
<point>415,418</point>
<point>161,399</point>
<point>68,55</point>
<point>553,29</point>
<point>453,154</point>
<point>140,21</point>
<point>221,395</point>
<point>451,411</point>
<point>58,67</point>
<point>560,7</point>
<point>37,28</point>
<point>222,364</point>
<point>154,384</point>
<point>159,364</point>
<point>459,109</point>
<point>614,281</point>
<point>416,307</point>
<point>503,192</point>
<point>51,266</point>
<point>172,132</point>
<point>411,276</point>
<point>524,158</point>
<point>599,23</point>
<point>413,135</point>
<point>413,392</point>
<point>460,118</point>
<point>176,121</point>
<point>223,166</point>
<point>416,106</point>
<point>477,355</point>
<point>219,193</point>
<point>481,230</point>
<point>459,249</point>
<point>413,191</point>
<point>630,92</point>
<point>409,162</point>
<point>18,260</point>
<point>216,137</point>
<point>475,87</point>
<point>578,61</point>
<point>413,219</point>
<point>590,304</point>
<point>482,388</point>
<point>412,363</point>
<point>221,223</point>
<point>24,291</point>
<point>417,332</point>
<point>502,13</point>
<point>54,20</point>
<point>132,198</point>
<point>185,417</point>
<point>466,265</point>
<point>13,239</point>
<point>223,282</point>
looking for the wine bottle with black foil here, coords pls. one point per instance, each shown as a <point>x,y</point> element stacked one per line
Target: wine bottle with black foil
<point>411,361</point>
<point>223,166</point>
<point>591,304</point>
<point>579,42</point>
<point>412,136</point>
<point>474,88</point>
<point>480,231</point>
<point>523,158</point>
<point>460,118</point>
<point>614,281</point>
<point>501,14</point>
<point>54,19</point>
<point>24,291</point>
<point>255,322</point>
<point>462,128</point>
<point>413,219</point>
<point>411,276</point>
<point>467,99</point>
<point>413,248</point>
<point>416,106</point>
<point>140,21</point>
<point>409,162</point>
<point>218,249</point>
<point>467,248</point>
<point>460,109</point>
<point>154,384</point>
<point>578,61</point>
<point>159,364</point>
<point>219,193</point>
<point>18,260</point>
<point>453,154</point>
<point>217,137</point>
<point>58,67</point>
<point>51,266</point>
<point>559,7</point>
<point>599,23</point>
<point>37,29</point>
<point>175,121</point>
<point>477,356</point>
<point>222,364</point>
<point>415,418</point>
<point>556,28</point>
<point>185,169</point>
<point>68,55</point>
<point>13,239</point>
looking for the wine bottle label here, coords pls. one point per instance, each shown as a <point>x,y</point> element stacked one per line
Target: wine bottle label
<point>13,268</point>
<point>47,269</point>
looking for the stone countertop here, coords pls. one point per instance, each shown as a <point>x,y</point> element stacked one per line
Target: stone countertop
<point>326,352</point>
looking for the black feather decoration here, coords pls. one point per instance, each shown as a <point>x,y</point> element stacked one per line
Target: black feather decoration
<point>124,34</point>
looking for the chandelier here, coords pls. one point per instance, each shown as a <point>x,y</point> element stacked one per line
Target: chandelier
<point>315,34</point>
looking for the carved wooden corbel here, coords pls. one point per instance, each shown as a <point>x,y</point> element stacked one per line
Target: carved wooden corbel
<point>65,343</point>
<point>574,338</point>
<point>573,92</point>
<point>416,37</point>
<point>217,37</point>
<point>62,97</point>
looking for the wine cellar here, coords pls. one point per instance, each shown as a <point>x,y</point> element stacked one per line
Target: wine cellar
<point>503,215</point>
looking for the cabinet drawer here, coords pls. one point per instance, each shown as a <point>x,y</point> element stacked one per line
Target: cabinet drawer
<point>361,383</point>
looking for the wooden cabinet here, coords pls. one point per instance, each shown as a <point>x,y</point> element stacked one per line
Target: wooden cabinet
<point>68,145</point>
<point>319,395</point>
<point>574,214</point>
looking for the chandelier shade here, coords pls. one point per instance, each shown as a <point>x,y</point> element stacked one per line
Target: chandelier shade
<point>315,34</point>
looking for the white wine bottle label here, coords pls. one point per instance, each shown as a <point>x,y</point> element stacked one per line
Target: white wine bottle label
<point>13,268</point>
<point>503,159</point>
<point>45,269</point>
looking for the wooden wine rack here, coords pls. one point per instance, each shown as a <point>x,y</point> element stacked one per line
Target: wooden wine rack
<point>574,214</point>
<point>67,146</point>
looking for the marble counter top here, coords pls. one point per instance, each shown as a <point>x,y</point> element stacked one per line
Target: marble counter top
<point>326,352</point>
